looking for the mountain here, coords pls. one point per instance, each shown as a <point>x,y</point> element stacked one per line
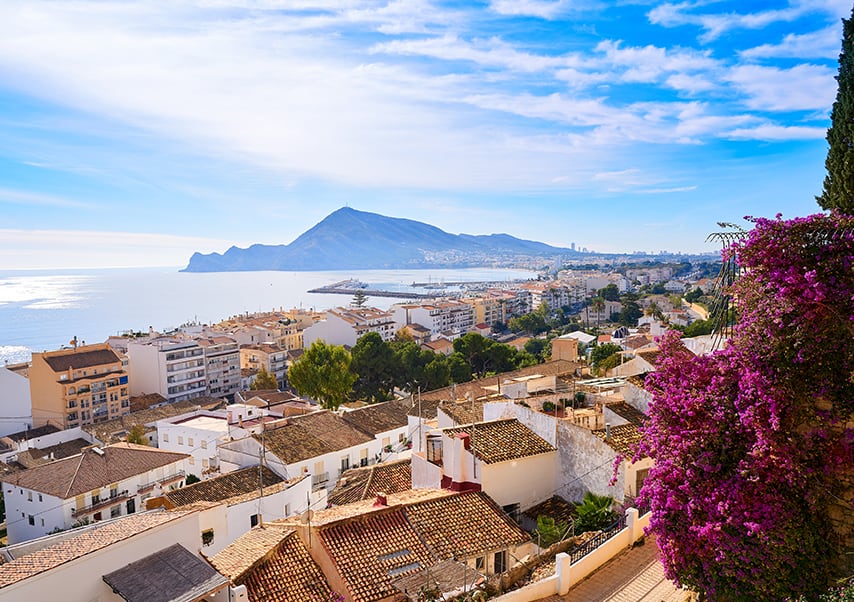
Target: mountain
<point>349,239</point>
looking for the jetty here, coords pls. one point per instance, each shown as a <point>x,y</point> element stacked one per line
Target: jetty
<point>334,289</point>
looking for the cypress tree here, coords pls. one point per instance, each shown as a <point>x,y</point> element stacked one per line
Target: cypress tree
<point>838,190</point>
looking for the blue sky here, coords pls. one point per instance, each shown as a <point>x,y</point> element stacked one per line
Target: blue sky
<point>136,133</point>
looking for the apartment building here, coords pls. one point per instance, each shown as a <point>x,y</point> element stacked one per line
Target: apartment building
<point>222,365</point>
<point>270,356</point>
<point>77,386</point>
<point>450,316</point>
<point>345,325</point>
<point>173,367</point>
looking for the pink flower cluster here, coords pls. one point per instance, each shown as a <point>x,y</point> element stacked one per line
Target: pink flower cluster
<point>748,442</point>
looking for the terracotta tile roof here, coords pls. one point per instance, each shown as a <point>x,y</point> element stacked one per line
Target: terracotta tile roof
<point>446,575</point>
<point>481,387</point>
<point>464,525</point>
<point>144,402</point>
<point>364,483</point>
<point>349,511</point>
<point>88,541</point>
<point>426,408</point>
<point>623,438</point>
<point>628,412</point>
<point>82,358</point>
<point>312,435</point>
<point>116,430</point>
<point>379,417</point>
<point>47,429</point>
<point>555,507</point>
<point>173,573</point>
<point>229,485</point>
<point>37,456</point>
<point>638,380</point>
<point>650,355</point>
<point>463,411</point>
<point>80,474</point>
<point>374,549</point>
<point>502,440</point>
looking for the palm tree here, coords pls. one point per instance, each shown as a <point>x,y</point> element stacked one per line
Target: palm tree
<point>598,305</point>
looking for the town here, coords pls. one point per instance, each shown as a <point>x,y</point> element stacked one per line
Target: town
<point>476,443</point>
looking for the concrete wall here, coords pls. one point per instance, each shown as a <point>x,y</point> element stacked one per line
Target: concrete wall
<point>17,409</point>
<point>636,397</point>
<point>425,475</point>
<point>585,463</point>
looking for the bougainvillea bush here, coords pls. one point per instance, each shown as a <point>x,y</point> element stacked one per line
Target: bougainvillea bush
<point>750,443</point>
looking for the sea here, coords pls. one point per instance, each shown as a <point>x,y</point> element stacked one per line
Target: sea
<point>42,310</point>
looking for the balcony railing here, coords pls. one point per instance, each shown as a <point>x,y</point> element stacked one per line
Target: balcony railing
<point>104,503</point>
<point>163,482</point>
<point>319,480</point>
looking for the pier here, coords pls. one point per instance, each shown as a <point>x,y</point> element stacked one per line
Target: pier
<point>332,289</point>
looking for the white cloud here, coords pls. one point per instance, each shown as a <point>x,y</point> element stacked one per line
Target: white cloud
<point>24,249</point>
<point>23,197</point>
<point>648,63</point>
<point>776,133</point>
<point>803,87</point>
<point>824,43</point>
<point>544,9</point>
<point>716,24</point>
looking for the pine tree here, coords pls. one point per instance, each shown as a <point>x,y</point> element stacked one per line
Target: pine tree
<point>838,190</point>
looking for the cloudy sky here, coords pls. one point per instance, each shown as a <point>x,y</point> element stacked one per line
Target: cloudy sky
<point>132,133</point>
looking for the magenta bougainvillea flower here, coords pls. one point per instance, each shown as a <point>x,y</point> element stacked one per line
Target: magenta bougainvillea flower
<point>750,442</point>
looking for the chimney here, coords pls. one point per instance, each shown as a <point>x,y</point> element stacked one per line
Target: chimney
<point>466,439</point>
<point>382,500</point>
<point>607,430</point>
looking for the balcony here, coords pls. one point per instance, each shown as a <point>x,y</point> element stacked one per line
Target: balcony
<point>101,504</point>
<point>173,478</point>
<point>319,480</point>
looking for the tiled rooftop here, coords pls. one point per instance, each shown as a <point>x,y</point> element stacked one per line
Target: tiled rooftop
<point>80,474</point>
<point>624,438</point>
<point>312,435</point>
<point>89,540</point>
<point>556,507</point>
<point>229,485</point>
<point>464,525</point>
<point>379,417</point>
<point>171,574</point>
<point>47,429</point>
<point>502,440</point>
<point>371,551</point>
<point>81,358</point>
<point>116,429</point>
<point>627,412</point>
<point>273,564</point>
<point>463,411</point>
<point>364,483</point>
<point>37,456</point>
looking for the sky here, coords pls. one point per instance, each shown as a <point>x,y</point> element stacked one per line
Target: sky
<point>134,133</point>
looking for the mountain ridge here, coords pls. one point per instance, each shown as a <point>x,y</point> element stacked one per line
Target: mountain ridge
<point>352,239</point>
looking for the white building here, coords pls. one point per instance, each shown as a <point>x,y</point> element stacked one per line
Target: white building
<point>199,433</point>
<point>175,368</point>
<point>222,365</point>
<point>503,458</point>
<point>344,326</point>
<point>88,563</point>
<point>449,316</point>
<point>271,356</point>
<point>16,409</point>
<point>92,486</point>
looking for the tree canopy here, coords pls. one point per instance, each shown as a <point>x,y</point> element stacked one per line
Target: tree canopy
<point>838,191</point>
<point>323,373</point>
<point>264,381</point>
<point>752,444</point>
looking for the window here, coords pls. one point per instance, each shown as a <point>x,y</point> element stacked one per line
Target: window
<point>500,562</point>
<point>207,537</point>
<point>287,511</point>
<point>131,506</point>
<point>479,563</point>
<point>29,496</point>
<point>180,440</point>
<point>40,498</point>
<point>204,444</point>
<point>165,437</point>
<point>96,497</point>
<point>42,522</point>
<point>31,519</point>
<point>190,441</point>
<point>115,511</point>
<point>254,520</point>
<point>191,461</point>
<point>345,463</point>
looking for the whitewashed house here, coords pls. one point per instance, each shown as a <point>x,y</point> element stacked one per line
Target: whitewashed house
<point>98,484</point>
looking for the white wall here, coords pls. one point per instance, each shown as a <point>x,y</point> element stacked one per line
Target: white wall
<point>16,408</point>
<point>80,579</point>
<point>333,330</point>
<point>526,481</point>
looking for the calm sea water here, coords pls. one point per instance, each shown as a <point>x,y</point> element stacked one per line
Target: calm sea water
<point>43,310</point>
